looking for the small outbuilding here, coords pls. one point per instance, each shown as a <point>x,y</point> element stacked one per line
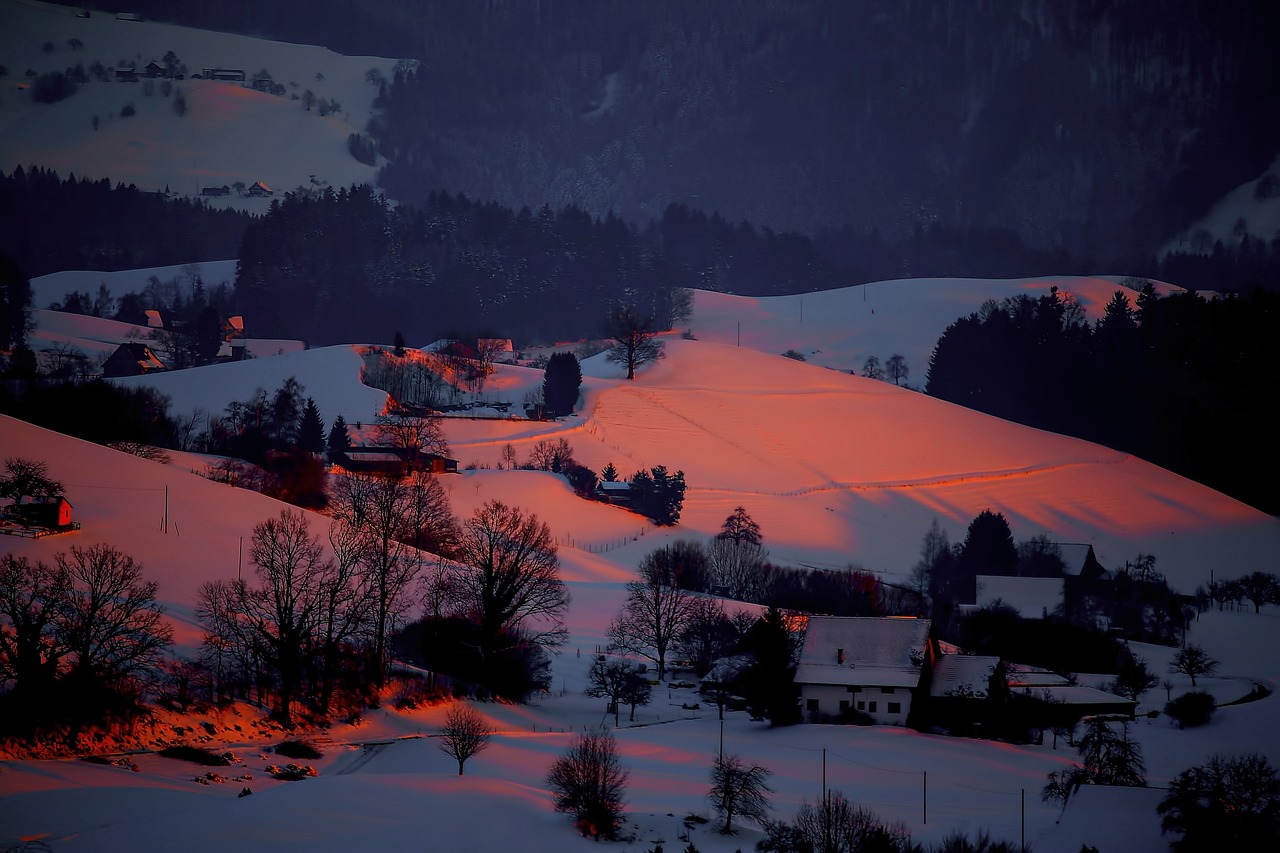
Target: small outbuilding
<point>52,513</point>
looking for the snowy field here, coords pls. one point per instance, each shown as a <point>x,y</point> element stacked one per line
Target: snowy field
<point>836,468</point>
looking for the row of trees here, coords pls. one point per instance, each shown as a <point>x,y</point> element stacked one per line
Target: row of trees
<point>334,267</point>
<point>322,627</point>
<point>1172,381</point>
<point>116,226</point>
<point>79,639</point>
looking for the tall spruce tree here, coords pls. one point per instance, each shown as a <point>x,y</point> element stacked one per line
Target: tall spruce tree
<point>311,435</point>
<point>339,441</point>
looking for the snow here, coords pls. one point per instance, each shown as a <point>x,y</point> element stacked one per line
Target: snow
<point>837,469</point>
<point>158,149</point>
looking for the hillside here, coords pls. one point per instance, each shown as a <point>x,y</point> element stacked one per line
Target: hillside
<point>228,134</point>
<point>835,468</point>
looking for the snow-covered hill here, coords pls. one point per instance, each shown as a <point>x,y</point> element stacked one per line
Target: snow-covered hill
<point>228,134</point>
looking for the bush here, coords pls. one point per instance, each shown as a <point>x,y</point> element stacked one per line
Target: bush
<point>298,749</point>
<point>53,87</point>
<point>588,782</point>
<point>195,755</point>
<point>1191,709</point>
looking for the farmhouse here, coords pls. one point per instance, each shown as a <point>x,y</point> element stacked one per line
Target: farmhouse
<point>861,665</point>
<point>614,492</point>
<point>394,462</point>
<point>131,358</point>
<point>260,190</point>
<point>235,75</point>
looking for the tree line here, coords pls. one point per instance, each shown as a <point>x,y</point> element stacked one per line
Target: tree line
<point>72,223</point>
<point>335,267</point>
<point>1176,380</point>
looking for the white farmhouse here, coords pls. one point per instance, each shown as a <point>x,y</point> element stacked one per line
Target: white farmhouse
<point>863,665</point>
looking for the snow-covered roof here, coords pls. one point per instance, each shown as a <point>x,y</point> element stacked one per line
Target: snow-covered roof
<point>963,675</point>
<point>877,651</point>
<point>1074,556</point>
<point>1032,598</point>
<point>1075,694</point>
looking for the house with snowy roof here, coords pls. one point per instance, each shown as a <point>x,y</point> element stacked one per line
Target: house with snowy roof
<point>862,665</point>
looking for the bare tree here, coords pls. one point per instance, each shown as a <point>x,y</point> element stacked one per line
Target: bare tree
<point>508,579</point>
<point>465,734</point>
<point>23,476</point>
<point>110,623</point>
<point>1193,661</point>
<point>382,508</point>
<point>896,368</point>
<point>616,681</point>
<point>413,435</point>
<point>344,601</point>
<point>871,368</point>
<point>739,789</point>
<point>588,781</point>
<point>30,599</point>
<point>285,613</point>
<point>635,340</point>
<point>1260,588</point>
<point>837,824</point>
<point>429,518</point>
<point>654,614</point>
<point>707,635</point>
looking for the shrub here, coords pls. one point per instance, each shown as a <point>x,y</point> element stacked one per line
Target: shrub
<point>53,87</point>
<point>298,749</point>
<point>127,110</point>
<point>588,782</point>
<point>1191,709</point>
<point>195,755</point>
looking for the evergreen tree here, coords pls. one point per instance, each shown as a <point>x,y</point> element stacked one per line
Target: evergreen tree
<point>988,550</point>
<point>770,679</point>
<point>207,335</point>
<point>561,383</point>
<point>311,435</point>
<point>15,303</point>
<point>339,440</point>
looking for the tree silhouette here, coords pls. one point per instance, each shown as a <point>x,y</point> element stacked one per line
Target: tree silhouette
<point>635,339</point>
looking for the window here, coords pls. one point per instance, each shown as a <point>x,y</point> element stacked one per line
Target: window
<point>895,707</point>
<point>844,705</point>
<point>812,704</point>
<point>862,706</point>
<point>872,709</point>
